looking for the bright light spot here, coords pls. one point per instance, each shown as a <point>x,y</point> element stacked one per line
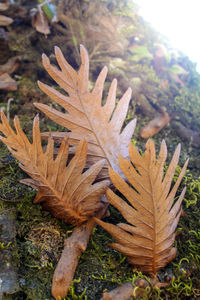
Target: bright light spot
<point>179,20</point>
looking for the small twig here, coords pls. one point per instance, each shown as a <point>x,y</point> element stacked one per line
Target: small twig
<point>74,246</point>
<point>43,3</point>
<point>8,108</point>
<point>96,47</point>
<point>123,292</point>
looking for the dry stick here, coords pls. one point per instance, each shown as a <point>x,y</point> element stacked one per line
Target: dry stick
<point>8,108</point>
<point>123,292</point>
<point>73,247</point>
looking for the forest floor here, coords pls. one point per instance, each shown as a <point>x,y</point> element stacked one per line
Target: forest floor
<point>31,240</point>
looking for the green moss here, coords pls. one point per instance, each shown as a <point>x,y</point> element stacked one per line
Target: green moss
<point>40,237</point>
<point>40,241</point>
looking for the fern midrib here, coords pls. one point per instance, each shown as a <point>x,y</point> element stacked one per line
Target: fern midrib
<point>76,89</point>
<point>89,121</point>
<point>46,182</point>
<point>59,197</point>
<point>154,223</point>
<point>137,218</point>
<point>92,129</point>
<point>63,189</point>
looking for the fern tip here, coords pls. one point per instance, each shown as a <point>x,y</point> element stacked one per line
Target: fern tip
<point>16,119</point>
<point>39,83</point>
<point>45,59</point>
<point>57,49</point>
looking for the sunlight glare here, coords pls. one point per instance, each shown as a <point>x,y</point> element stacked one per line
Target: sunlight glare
<point>178,20</point>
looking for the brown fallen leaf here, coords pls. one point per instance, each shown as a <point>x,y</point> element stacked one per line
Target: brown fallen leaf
<point>7,83</point>
<point>155,125</point>
<point>40,22</point>
<point>123,292</point>
<point>5,21</point>
<point>10,66</point>
<point>86,117</point>
<point>148,239</point>
<point>63,190</point>
<point>140,288</point>
<point>4,6</point>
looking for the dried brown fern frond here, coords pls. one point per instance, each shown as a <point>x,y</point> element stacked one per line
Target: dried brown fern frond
<point>64,190</point>
<point>86,117</point>
<point>153,215</point>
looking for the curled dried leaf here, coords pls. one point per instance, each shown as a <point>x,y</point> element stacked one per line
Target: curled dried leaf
<point>40,22</point>
<point>64,190</point>
<point>4,6</point>
<point>7,83</point>
<point>5,21</point>
<point>155,125</point>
